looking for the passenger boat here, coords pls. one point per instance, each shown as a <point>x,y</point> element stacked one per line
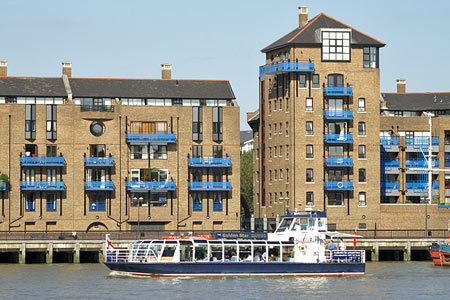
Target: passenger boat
<point>440,254</point>
<point>296,248</point>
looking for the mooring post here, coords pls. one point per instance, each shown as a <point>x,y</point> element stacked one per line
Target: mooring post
<point>22,253</point>
<point>375,252</point>
<point>76,258</point>
<point>407,256</point>
<point>49,256</point>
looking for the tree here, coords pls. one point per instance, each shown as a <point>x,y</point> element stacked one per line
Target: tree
<point>247,183</point>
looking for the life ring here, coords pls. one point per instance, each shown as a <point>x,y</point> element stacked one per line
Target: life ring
<point>340,184</point>
<point>302,247</point>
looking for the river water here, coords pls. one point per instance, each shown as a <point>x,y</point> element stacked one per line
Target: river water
<point>383,280</point>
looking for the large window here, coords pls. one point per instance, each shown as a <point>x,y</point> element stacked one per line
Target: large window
<point>197,151</point>
<point>309,175</point>
<point>336,199</point>
<point>301,81</point>
<point>336,45</point>
<point>158,151</point>
<point>217,201</point>
<point>362,175</point>
<point>217,123</point>
<point>361,104</point>
<point>309,104</point>
<point>361,128</point>
<point>158,198</point>
<point>30,121</point>
<point>309,128</point>
<point>197,202</point>
<point>51,202</point>
<point>315,81</point>
<point>148,127</point>
<point>30,202</point>
<point>309,198</point>
<point>362,199</point>
<point>309,151</point>
<point>139,152</point>
<point>361,151</point>
<point>97,201</point>
<point>370,57</point>
<point>51,122</point>
<point>197,123</point>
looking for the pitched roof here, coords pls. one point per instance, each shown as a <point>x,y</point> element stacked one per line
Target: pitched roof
<point>32,87</point>
<point>151,88</point>
<point>246,136</point>
<point>309,34</point>
<point>417,101</point>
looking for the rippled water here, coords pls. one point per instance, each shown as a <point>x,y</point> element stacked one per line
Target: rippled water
<point>384,280</point>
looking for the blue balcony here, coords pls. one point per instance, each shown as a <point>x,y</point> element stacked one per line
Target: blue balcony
<point>162,138</point>
<point>338,138</point>
<point>209,162</point>
<point>42,185</point>
<point>338,114</point>
<point>217,206</point>
<point>388,141</point>
<point>390,185</point>
<point>444,205</point>
<point>338,162</point>
<point>99,186</point>
<point>3,186</point>
<point>338,185</point>
<point>422,141</point>
<point>338,91</point>
<point>286,67</point>
<point>388,164</point>
<point>421,163</point>
<point>97,206</point>
<point>30,161</point>
<point>197,206</point>
<point>421,185</point>
<point>99,161</point>
<point>151,186</point>
<point>210,186</point>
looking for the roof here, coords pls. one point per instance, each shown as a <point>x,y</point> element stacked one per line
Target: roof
<point>246,136</point>
<point>151,88</point>
<point>32,87</point>
<point>309,34</point>
<point>417,101</point>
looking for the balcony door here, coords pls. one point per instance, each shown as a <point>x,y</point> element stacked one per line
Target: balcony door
<point>335,175</point>
<point>96,175</point>
<point>51,175</point>
<point>97,150</point>
<point>337,128</point>
<point>336,104</point>
<point>335,80</point>
<point>336,151</point>
<point>98,104</point>
<point>29,175</point>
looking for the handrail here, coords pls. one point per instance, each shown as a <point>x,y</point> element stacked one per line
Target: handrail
<point>99,185</point>
<point>286,67</point>
<point>151,185</point>
<point>335,114</point>
<point>42,160</point>
<point>338,90</point>
<point>41,185</point>
<point>209,185</point>
<point>338,138</point>
<point>209,161</point>
<point>150,137</point>
<point>104,161</point>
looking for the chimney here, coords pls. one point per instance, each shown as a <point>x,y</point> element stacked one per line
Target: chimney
<point>67,68</point>
<point>166,71</point>
<point>3,68</point>
<point>401,85</point>
<point>302,15</point>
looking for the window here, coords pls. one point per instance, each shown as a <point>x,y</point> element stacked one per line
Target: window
<point>51,174</point>
<point>281,174</point>
<point>270,130</point>
<point>336,151</point>
<point>398,113</point>
<point>287,175</point>
<point>51,202</point>
<point>281,151</point>
<point>336,45</point>
<point>287,198</point>
<point>51,150</point>
<point>301,81</point>
<point>51,122</point>
<point>315,81</point>
<point>97,128</point>
<point>275,174</point>
<point>335,80</point>
<point>281,128</point>
<point>362,175</point>
<point>361,128</point>
<point>30,121</point>
<point>270,199</point>
<point>309,198</point>
<point>287,151</point>
<point>309,104</point>
<point>361,151</point>
<point>217,201</point>
<point>270,153</point>
<point>217,123</point>
<point>270,107</point>
<point>197,202</point>
<point>197,123</point>
<point>275,154</point>
<point>139,152</point>
<point>309,128</point>
<point>197,151</point>
<point>287,128</point>
<point>336,199</point>
<point>281,104</point>
<point>275,198</point>
<point>30,202</point>
<point>275,131</point>
<point>287,104</point>
<point>362,226</point>
<point>370,57</point>
<point>270,176</point>
<point>309,175</point>
<point>309,151</point>
<point>158,198</point>
<point>274,105</point>
<point>361,104</point>
<point>362,199</point>
<point>158,151</point>
<point>217,151</point>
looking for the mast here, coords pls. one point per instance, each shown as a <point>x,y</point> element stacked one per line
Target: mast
<point>430,166</point>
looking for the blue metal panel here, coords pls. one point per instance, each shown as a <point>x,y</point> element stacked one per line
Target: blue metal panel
<point>338,138</point>
<point>236,235</point>
<point>286,67</point>
<point>444,206</point>
<point>338,161</point>
<point>42,185</point>
<point>50,206</point>
<point>217,206</point>
<point>210,186</point>
<point>421,185</point>
<point>151,185</point>
<point>42,161</point>
<point>338,114</point>
<point>338,91</point>
<point>162,138</point>
<point>421,163</point>
<point>99,161</point>
<point>390,185</point>
<point>97,206</point>
<point>210,162</point>
<point>388,141</point>
<point>422,141</point>
<point>197,206</point>
<point>338,185</point>
<point>3,186</point>
<point>99,185</point>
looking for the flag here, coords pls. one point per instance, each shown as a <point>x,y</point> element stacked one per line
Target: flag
<point>354,238</point>
<point>109,245</point>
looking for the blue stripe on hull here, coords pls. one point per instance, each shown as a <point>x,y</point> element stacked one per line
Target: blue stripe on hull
<point>238,268</point>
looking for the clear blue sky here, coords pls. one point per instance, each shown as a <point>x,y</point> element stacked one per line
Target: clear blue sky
<point>206,39</point>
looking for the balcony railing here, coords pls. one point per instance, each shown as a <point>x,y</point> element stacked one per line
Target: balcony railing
<point>338,91</point>
<point>210,186</point>
<point>99,161</point>
<point>42,185</point>
<point>338,161</point>
<point>217,206</point>
<point>97,206</point>
<point>165,138</point>
<point>338,114</point>
<point>286,67</point>
<point>421,163</point>
<point>421,185</point>
<point>338,138</point>
<point>2,186</point>
<point>107,108</point>
<point>151,186</point>
<point>29,161</point>
<point>210,162</point>
<point>338,185</point>
<point>390,185</point>
<point>422,141</point>
<point>99,186</point>
<point>197,206</point>
<point>388,141</point>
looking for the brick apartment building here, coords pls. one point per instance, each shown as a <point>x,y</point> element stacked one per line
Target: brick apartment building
<point>108,154</point>
<point>317,132</point>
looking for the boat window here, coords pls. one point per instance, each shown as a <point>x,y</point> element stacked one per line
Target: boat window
<point>229,242</point>
<point>260,253</point>
<point>288,253</point>
<point>273,242</point>
<point>154,250</point>
<point>215,252</point>
<point>169,251</point>
<point>259,242</point>
<point>200,241</point>
<point>230,252</point>
<point>300,224</point>
<point>285,224</point>
<point>287,243</point>
<point>245,252</point>
<point>186,251</point>
<point>311,222</point>
<point>171,242</point>
<point>274,253</point>
<point>244,242</point>
<point>215,242</point>
<point>201,252</point>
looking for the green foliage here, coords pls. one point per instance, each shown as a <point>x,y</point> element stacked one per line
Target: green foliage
<point>247,183</point>
<point>4,177</point>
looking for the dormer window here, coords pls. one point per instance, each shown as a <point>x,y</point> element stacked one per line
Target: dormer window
<point>370,57</point>
<point>335,45</point>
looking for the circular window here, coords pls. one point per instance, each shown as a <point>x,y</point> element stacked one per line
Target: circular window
<point>97,128</point>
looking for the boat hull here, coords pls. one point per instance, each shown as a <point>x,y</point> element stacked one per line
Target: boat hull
<point>440,254</point>
<point>219,269</point>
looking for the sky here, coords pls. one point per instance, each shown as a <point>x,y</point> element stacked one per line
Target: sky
<point>207,39</point>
